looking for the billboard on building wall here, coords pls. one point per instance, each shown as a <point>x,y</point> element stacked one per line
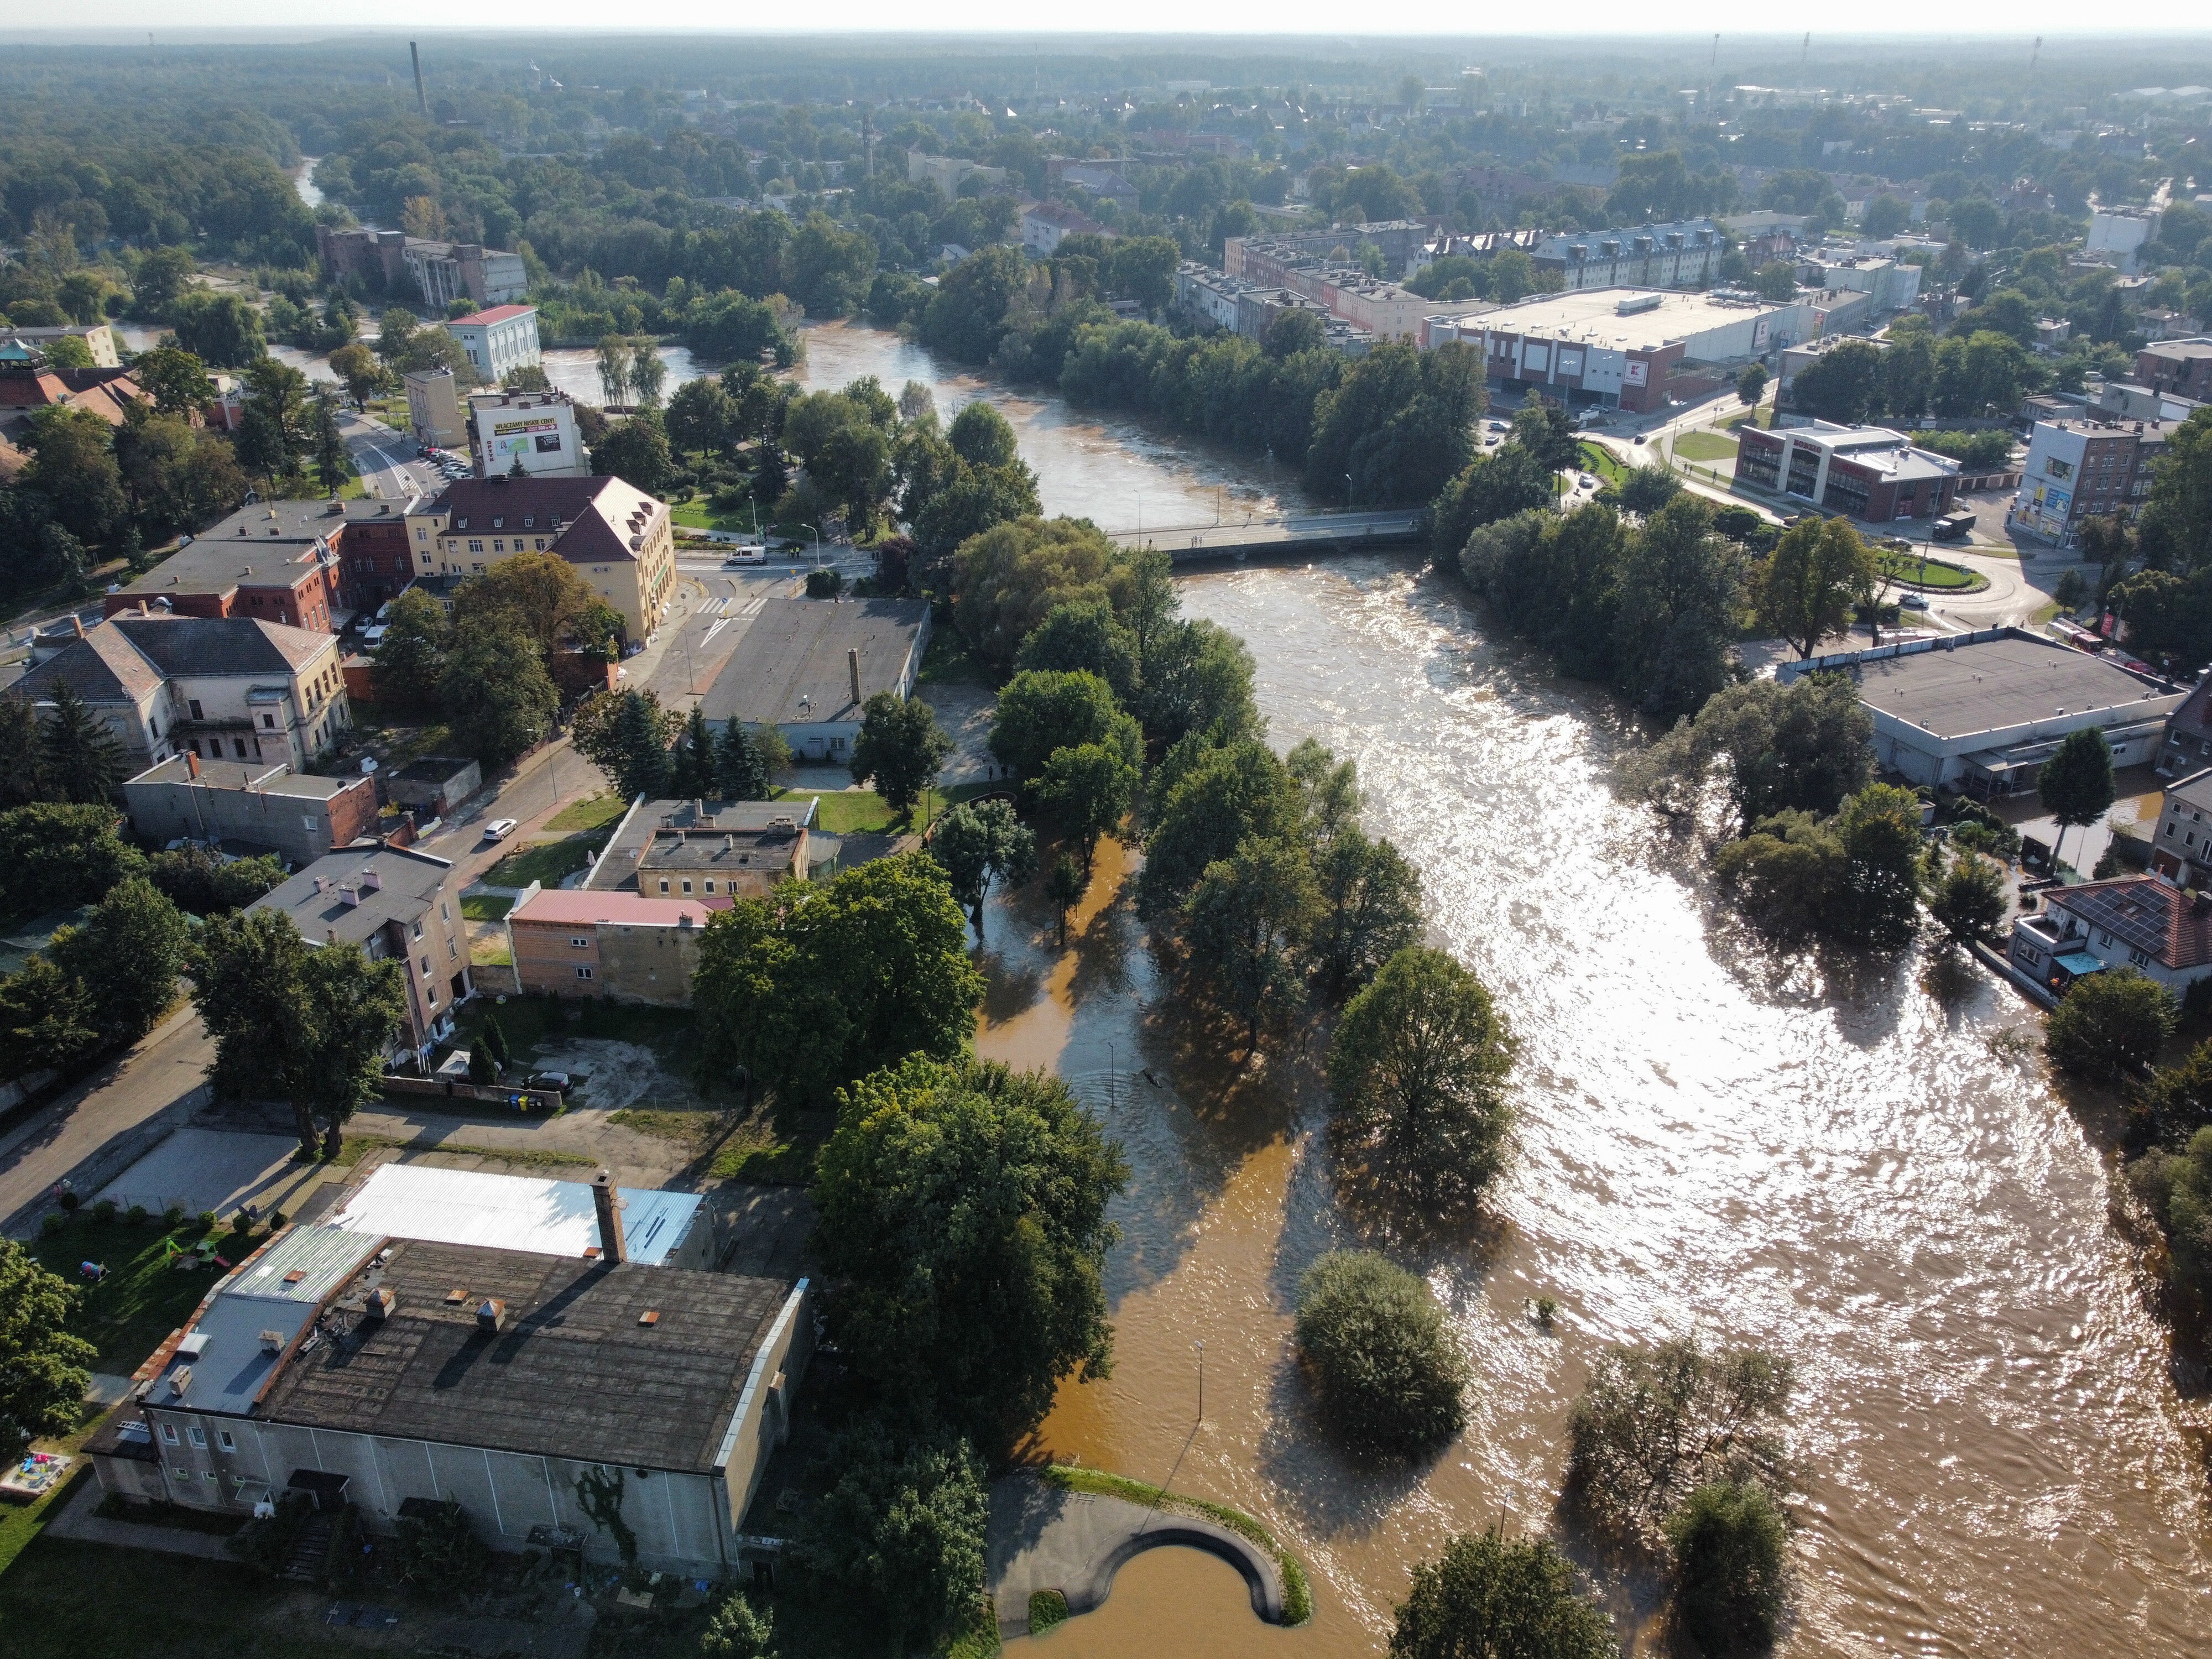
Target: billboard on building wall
<point>1570,363</point>
<point>540,434</point>
<point>1636,370</point>
<point>1758,333</point>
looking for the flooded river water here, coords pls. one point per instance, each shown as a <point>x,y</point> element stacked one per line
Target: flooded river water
<point>1865,1168</point>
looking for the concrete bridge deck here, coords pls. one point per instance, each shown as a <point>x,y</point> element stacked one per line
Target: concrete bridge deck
<point>1288,536</point>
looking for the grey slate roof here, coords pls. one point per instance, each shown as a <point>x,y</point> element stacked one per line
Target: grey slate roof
<point>572,1374</point>
<point>409,880</point>
<point>790,668</point>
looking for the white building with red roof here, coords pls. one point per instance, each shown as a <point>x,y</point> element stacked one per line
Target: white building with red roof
<point>499,340</point>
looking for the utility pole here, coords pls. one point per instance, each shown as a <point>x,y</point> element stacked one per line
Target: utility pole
<point>1201,1381</point>
<point>421,98</point>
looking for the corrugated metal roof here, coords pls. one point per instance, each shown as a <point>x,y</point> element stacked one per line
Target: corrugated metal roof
<point>324,1257</point>
<point>511,1212</point>
<point>251,1322</point>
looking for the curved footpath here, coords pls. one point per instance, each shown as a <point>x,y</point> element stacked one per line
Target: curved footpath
<point>1044,1537</point>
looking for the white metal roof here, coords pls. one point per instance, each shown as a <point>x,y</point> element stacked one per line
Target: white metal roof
<point>511,1212</point>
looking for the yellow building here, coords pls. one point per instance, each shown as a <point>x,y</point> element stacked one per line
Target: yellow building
<point>620,540</point>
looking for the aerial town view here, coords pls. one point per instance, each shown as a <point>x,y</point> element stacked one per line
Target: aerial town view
<point>937,833</point>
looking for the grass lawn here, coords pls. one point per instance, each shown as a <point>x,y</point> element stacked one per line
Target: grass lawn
<point>863,812</point>
<point>1598,459</point>
<point>486,906</point>
<point>1938,573</point>
<point>546,862</point>
<point>1704,447</point>
<point>592,812</point>
<point>143,1298</point>
<point>1761,416</point>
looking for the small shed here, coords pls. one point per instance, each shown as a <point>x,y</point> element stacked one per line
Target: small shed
<point>436,783</point>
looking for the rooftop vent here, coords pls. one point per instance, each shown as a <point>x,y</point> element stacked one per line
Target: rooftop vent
<point>650,1317</point>
<point>370,881</point>
<point>455,1296</point>
<point>192,1346</point>
<point>380,1305</point>
<point>272,1341</point>
<point>179,1381</point>
<point>491,1315</point>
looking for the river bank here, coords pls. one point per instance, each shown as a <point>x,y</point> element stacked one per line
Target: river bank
<point>1865,1166</point>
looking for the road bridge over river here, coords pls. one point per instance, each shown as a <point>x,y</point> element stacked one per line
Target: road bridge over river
<point>1299,535</point>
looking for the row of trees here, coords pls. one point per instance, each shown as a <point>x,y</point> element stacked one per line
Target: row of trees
<point>1980,373</point>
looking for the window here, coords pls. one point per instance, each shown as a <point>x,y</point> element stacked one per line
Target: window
<point>418,930</point>
<point>452,951</point>
<point>541,543</point>
<point>710,884</point>
<point>476,547</point>
<point>499,547</point>
<point>240,744</point>
<point>687,884</point>
<point>580,943</point>
<point>169,1434</point>
<point>198,1436</point>
<point>208,1475</point>
<point>663,883</point>
<point>2105,940</point>
<point>425,967</point>
<point>2141,958</point>
<point>180,1474</point>
<point>195,708</point>
<point>444,914</point>
<point>583,972</point>
<point>269,722</point>
<point>222,1438</point>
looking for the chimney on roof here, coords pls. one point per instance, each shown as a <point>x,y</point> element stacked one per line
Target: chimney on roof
<point>370,881</point>
<point>379,1304</point>
<point>192,761</point>
<point>491,1314</point>
<point>77,624</point>
<point>608,1209</point>
<point>852,666</point>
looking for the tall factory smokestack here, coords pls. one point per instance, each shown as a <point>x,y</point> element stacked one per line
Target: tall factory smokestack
<point>852,666</point>
<point>415,53</point>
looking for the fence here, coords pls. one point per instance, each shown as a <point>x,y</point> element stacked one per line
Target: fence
<point>520,1100</point>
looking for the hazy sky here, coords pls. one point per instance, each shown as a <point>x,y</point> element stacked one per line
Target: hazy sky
<point>1020,19</point>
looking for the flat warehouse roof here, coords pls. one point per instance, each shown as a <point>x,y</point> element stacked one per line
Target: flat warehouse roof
<point>1995,684</point>
<point>517,1212</point>
<point>1593,316</point>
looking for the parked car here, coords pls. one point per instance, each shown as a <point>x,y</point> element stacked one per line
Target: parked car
<point>499,829</point>
<point>1914,602</point>
<point>558,1080</point>
<point>748,553</point>
<point>373,637</point>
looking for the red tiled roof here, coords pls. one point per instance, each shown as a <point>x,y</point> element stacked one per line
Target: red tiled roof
<point>497,314</point>
<point>570,908</point>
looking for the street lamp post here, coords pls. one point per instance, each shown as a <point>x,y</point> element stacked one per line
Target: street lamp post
<point>1201,1381</point>
<point>1348,492</point>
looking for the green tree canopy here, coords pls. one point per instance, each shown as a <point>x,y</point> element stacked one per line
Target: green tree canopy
<point>2109,1024</point>
<point>963,1214</point>
<point>979,842</point>
<point>58,857</point>
<point>80,756</point>
<point>1417,1077</point>
<point>1041,710</point>
<point>1805,589</point>
<point>1009,578</point>
<point>128,955</point>
<point>412,655</point>
<point>1494,1597</point>
<point>1087,791</point>
<point>494,691</point>
<point>1730,1546</point>
<point>1246,922</point>
<point>1766,748</point>
<point>900,748</point>
<point>819,984</point>
<point>45,1368</point>
<point>1214,800</point>
<point>1390,1380</point>
<point>1084,637</point>
<point>2076,782</point>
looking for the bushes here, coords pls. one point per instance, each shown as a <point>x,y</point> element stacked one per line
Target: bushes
<point>1514,1598</point>
<point>2110,1024</point>
<point>2177,1188</point>
<point>440,1551</point>
<point>1729,1542</point>
<point>1374,1341</point>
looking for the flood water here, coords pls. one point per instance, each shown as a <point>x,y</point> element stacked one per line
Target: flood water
<point>1865,1168</point>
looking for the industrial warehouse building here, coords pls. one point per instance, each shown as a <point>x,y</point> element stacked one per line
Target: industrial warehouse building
<point>807,665</point>
<point>537,1391</point>
<point>1980,713</point>
<point>1621,347</point>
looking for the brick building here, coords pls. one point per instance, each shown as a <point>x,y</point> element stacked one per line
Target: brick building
<point>247,806</point>
<point>1866,472</point>
<point>2182,367</point>
<point>624,947</point>
<point>1685,254</point>
<point>294,562</point>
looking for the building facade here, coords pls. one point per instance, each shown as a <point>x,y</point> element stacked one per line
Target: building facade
<point>618,947</point>
<point>621,541</point>
<point>221,688</point>
<point>393,262</point>
<point>1865,472</point>
<point>1687,253</point>
<point>1045,224</point>
<point>2081,469</point>
<point>2181,367</point>
<point>2181,847</point>
<point>398,905</point>
<point>433,409</point>
<point>2143,922</point>
<point>499,340</point>
<point>244,805</point>
<point>537,429</point>
<point>294,563</point>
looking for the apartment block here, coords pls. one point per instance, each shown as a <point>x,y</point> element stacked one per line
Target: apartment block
<point>1684,254</point>
<point>2082,469</point>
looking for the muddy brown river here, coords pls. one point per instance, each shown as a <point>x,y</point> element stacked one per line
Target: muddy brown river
<point>1863,1167</point>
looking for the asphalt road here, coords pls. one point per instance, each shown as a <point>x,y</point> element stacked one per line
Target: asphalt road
<point>385,459</point>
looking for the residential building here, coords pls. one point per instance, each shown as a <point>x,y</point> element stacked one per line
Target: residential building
<point>398,905</point>
<point>1628,349</point>
<point>545,1217</point>
<point>2188,745</point>
<point>1045,223</point>
<point>948,172</point>
<point>248,807</point>
<point>536,429</point>
<point>98,339</point>
<point>2183,368</point>
<point>1687,253</point>
<point>2115,234</point>
<point>499,341</point>
<point>613,947</point>
<point>224,688</point>
<point>656,837</point>
<point>28,384</point>
<point>1980,713</point>
<point>807,665</point>
<point>399,1375</point>
<point>1102,180</point>
<point>393,262</point>
<point>1890,286</point>
<point>1866,472</point>
<point>2143,922</point>
<point>1268,260</point>
<point>433,409</point>
<point>2181,846</point>
<point>301,563</point>
<point>619,538</point>
<point>2085,468</point>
